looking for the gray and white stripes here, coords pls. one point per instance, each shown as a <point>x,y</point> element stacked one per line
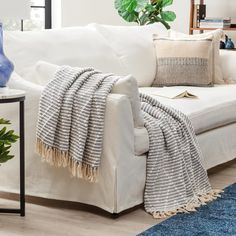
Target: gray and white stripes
<point>71,119</point>
<point>176,180</point>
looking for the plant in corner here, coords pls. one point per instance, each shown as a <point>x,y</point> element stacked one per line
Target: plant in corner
<point>145,11</point>
<point>7,138</point>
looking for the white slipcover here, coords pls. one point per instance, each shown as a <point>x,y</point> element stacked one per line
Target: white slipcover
<point>122,173</point>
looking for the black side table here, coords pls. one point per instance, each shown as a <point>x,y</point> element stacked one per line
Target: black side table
<point>11,96</point>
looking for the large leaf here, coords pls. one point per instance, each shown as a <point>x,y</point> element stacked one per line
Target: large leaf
<point>130,17</point>
<point>168,15</point>
<point>141,5</point>
<point>166,3</point>
<point>129,5</point>
<point>118,4</point>
<point>150,8</point>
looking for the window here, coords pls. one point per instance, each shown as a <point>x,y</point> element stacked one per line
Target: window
<point>41,17</point>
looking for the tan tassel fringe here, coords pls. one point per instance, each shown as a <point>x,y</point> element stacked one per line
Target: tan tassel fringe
<point>59,158</point>
<point>202,199</point>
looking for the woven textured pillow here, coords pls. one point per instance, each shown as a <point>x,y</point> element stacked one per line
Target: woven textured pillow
<point>217,36</point>
<point>184,62</point>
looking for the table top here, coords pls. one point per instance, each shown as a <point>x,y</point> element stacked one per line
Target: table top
<point>7,93</point>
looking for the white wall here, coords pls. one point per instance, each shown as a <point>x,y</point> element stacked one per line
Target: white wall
<point>56,14</point>
<point>82,12</point>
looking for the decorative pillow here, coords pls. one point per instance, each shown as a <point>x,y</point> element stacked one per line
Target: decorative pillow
<point>184,62</point>
<point>217,36</point>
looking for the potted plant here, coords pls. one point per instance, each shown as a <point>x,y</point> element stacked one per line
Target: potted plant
<point>145,12</point>
<point>7,138</point>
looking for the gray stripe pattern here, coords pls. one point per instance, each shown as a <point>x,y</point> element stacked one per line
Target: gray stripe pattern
<point>71,119</point>
<point>176,178</point>
<point>183,71</point>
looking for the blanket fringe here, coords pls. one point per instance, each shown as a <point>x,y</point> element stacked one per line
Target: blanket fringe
<point>200,200</point>
<point>59,158</point>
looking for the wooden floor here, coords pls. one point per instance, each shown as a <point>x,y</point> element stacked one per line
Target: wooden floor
<point>63,219</point>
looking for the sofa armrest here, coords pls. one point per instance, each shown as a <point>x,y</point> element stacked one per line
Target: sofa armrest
<point>228,58</point>
<point>119,126</point>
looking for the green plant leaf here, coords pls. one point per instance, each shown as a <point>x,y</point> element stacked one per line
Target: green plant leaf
<point>144,19</point>
<point>168,15</point>
<point>129,5</point>
<point>7,137</point>
<point>118,4</point>
<point>130,16</point>
<point>141,5</point>
<point>166,3</point>
<point>145,11</point>
<point>4,122</point>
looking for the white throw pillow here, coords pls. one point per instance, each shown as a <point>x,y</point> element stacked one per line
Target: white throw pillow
<point>45,71</point>
<point>217,35</point>
<point>134,47</point>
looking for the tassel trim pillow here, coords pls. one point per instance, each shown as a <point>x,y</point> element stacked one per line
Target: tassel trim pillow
<point>184,62</point>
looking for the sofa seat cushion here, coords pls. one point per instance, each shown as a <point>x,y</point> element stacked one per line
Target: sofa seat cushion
<point>214,107</point>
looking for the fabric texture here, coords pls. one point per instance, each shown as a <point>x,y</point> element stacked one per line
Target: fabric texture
<point>70,134</point>
<point>217,36</point>
<point>176,179</point>
<point>120,168</point>
<point>184,62</point>
<point>71,120</point>
<point>127,85</point>
<point>80,46</point>
<point>215,219</point>
<point>227,60</point>
<point>133,46</point>
<point>214,107</point>
<point>84,46</point>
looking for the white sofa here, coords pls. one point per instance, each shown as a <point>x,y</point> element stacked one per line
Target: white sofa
<point>122,50</point>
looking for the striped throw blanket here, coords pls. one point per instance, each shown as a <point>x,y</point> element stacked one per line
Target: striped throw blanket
<point>71,120</point>
<point>176,179</point>
<point>70,134</point>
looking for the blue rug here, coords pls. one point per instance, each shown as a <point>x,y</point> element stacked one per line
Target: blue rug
<point>217,218</point>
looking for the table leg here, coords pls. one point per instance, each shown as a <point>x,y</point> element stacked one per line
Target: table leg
<point>22,159</point>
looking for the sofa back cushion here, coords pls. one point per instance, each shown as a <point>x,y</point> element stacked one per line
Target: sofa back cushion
<point>228,59</point>
<point>77,46</point>
<point>119,50</point>
<point>134,47</point>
